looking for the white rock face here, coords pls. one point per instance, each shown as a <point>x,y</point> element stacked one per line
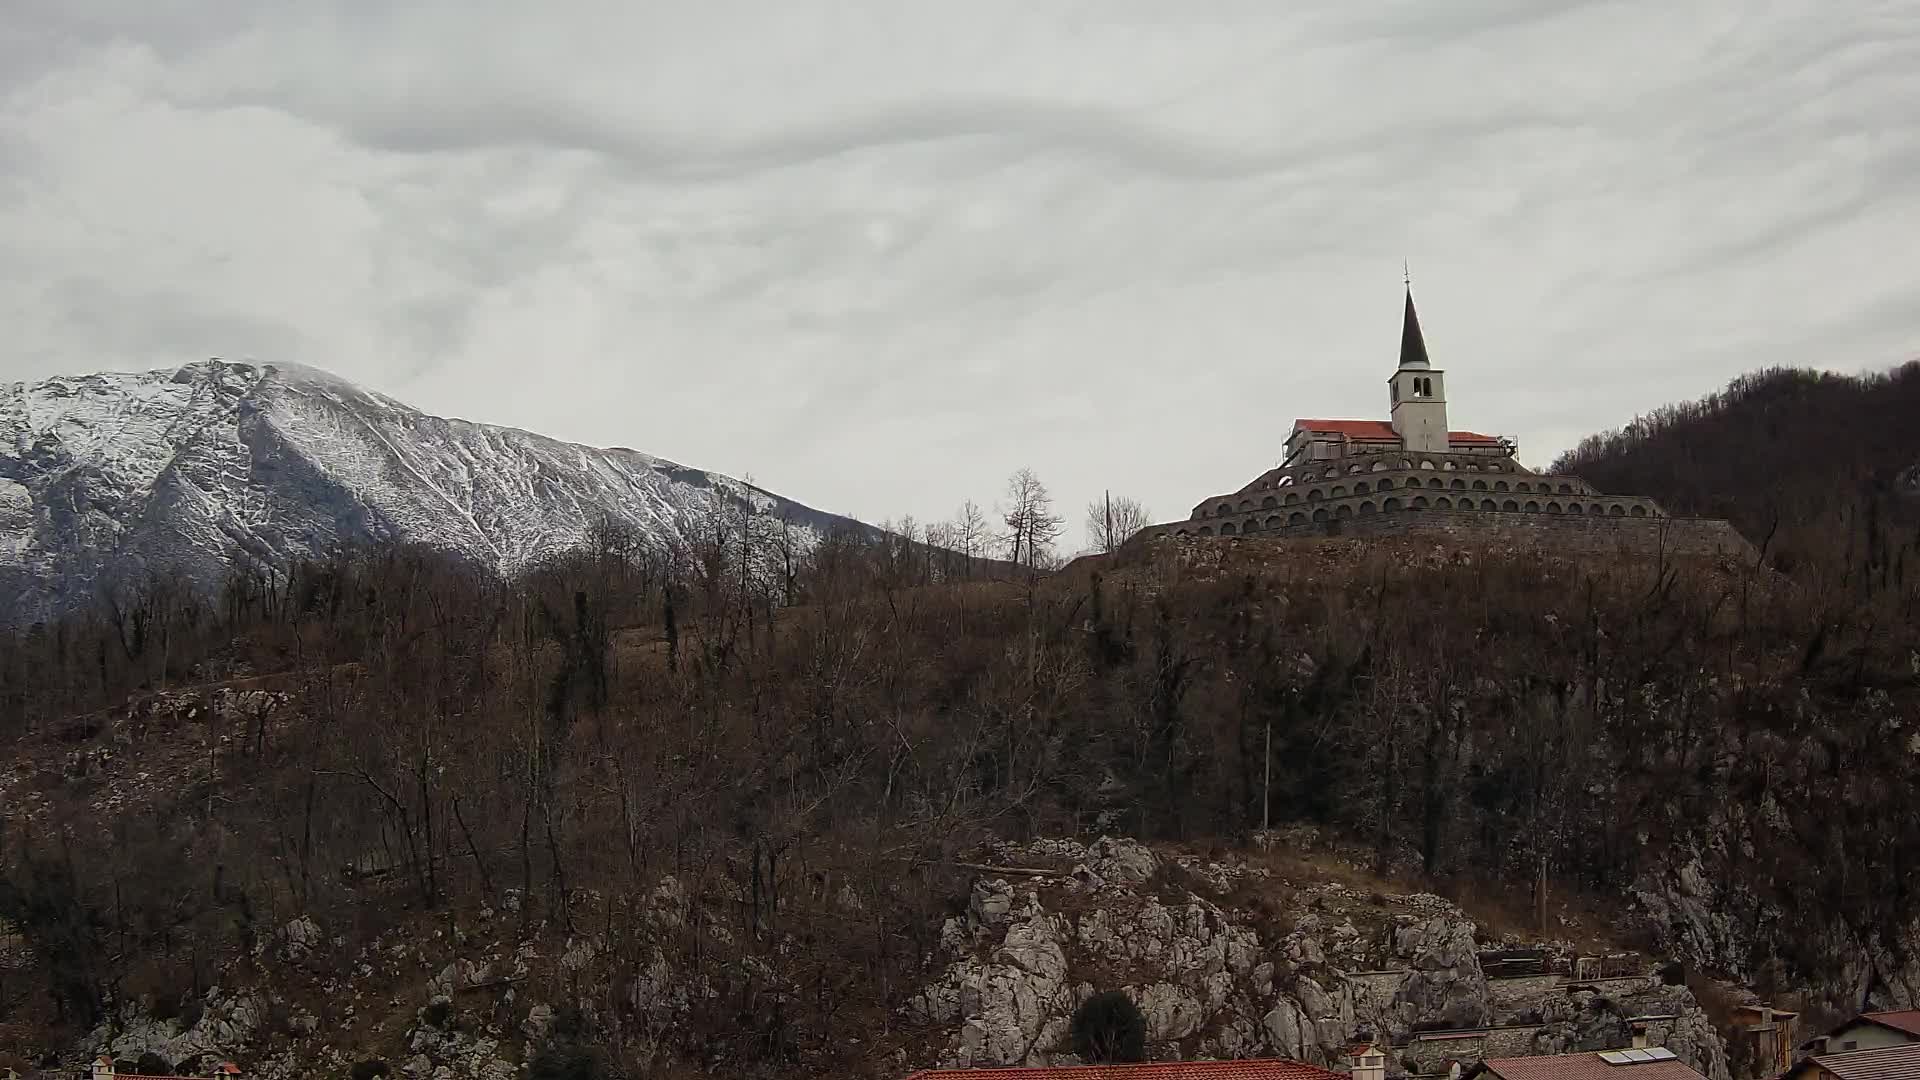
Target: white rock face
<point>111,477</point>
<point>1026,953</point>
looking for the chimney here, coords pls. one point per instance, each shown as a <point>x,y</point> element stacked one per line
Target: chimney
<point>103,1068</point>
<point>1367,1062</point>
<point>1639,1036</point>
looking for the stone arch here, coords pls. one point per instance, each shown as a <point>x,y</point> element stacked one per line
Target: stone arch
<point>1523,486</point>
<point>1284,481</point>
<point>1179,534</point>
<point>1274,522</point>
<point>1566,489</point>
<point>1479,485</point>
<point>1459,484</point>
<point>1344,510</point>
<point>1499,485</point>
<point>1533,506</point>
<point>1338,490</point>
<point>1390,504</point>
<point>1448,465</point>
<point>1269,502</point>
<point>1406,463</point>
<point>1487,504</point>
<point>1224,508</point>
<point>1292,497</point>
<point>1226,528</point>
<point>1367,508</point>
<point>1575,508</point>
<point>1386,483</point>
<point>1419,502</point>
<point>1472,467</point>
<point>1315,495</point>
<point>1616,510</point>
<point>1206,530</point>
<point>1425,464</point>
<point>1596,509</point>
<point>1320,514</point>
<point>1296,518</point>
<point>1510,505</point>
<point>1553,507</point>
<point>1443,503</point>
<point>1246,504</point>
<point>1379,466</point>
<point>1436,483</point>
<point>1464,504</point>
<point>1330,474</point>
<point>1354,468</point>
<point>1360,488</point>
<point>1639,511</point>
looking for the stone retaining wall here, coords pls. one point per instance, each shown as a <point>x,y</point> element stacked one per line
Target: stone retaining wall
<point>1584,535</point>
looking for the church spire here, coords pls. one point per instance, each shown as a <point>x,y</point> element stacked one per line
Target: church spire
<point>1413,347</point>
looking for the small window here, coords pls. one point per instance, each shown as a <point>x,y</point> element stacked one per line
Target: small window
<point>1850,1044</point>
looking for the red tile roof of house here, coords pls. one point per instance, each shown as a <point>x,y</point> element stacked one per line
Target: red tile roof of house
<point>1907,1020</point>
<point>1583,1067</point>
<point>1263,1069</point>
<point>1900,1062</point>
<point>1381,431</point>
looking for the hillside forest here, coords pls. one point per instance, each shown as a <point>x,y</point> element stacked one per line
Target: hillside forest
<point>808,742</point>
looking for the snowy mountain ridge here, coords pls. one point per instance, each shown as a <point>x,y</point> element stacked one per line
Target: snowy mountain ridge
<point>114,477</point>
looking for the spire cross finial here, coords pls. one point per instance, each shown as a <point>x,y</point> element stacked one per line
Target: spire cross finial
<point>1407,273</point>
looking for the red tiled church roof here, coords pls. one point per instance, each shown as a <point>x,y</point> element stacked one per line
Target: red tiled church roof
<point>1381,431</point>
<point>1265,1069</point>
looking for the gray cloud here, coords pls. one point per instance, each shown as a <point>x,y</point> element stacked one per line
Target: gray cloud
<point>879,254</point>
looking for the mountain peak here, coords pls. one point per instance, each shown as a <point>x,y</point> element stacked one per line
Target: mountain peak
<point>115,476</point>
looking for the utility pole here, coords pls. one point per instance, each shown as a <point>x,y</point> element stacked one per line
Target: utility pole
<point>1266,779</point>
<point>1540,895</point>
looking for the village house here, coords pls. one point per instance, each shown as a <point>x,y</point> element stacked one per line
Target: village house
<point>1869,1031</point>
<point>1899,1061</point>
<point>1639,1063</point>
<point>104,1069</point>
<point>1367,1063</point>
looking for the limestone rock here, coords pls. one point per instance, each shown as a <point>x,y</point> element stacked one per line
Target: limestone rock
<point>1445,986</point>
<point>1120,860</point>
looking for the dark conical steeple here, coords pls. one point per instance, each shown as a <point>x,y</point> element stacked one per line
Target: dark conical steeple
<point>1413,347</point>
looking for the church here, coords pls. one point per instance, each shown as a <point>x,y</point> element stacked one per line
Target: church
<point>1408,472</point>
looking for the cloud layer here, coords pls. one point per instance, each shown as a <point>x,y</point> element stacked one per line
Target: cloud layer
<point>879,254</point>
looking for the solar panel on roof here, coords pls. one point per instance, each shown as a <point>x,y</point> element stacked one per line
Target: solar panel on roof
<point>1661,1053</point>
<point>1614,1057</point>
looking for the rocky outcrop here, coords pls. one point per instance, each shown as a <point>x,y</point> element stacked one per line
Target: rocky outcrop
<point>1217,981</point>
<point>1444,986</point>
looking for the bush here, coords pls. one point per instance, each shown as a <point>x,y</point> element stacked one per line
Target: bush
<point>569,1022</point>
<point>370,1069</point>
<point>1108,1029</point>
<point>152,1064</point>
<point>565,1062</point>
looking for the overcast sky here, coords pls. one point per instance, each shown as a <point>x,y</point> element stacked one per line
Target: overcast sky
<point>877,255</point>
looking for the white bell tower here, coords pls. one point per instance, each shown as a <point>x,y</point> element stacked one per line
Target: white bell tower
<point>1419,392</point>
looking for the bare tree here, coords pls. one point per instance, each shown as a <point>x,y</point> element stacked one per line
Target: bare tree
<point>1112,521</point>
<point>970,533</point>
<point>1032,526</point>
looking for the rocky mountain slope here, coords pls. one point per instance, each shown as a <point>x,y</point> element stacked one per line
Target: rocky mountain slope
<point>115,477</point>
<point>1225,956</point>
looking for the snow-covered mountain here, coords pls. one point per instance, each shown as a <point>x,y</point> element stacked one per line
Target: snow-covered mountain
<point>116,476</point>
